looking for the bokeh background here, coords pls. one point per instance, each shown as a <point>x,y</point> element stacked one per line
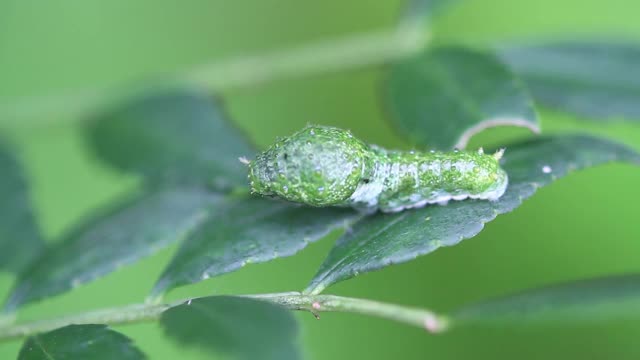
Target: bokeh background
<point>581,226</point>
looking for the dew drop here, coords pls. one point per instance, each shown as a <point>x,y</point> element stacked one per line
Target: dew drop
<point>311,132</point>
<point>546,169</point>
<point>321,189</point>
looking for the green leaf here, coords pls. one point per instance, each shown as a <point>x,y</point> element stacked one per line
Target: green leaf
<point>595,79</point>
<point>250,230</point>
<point>86,342</point>
<point>243,328</point>
<point>20,237</point>
<point>441,98</point>
<point>102,245</point>
<point>176,137</point>
<point>386,239</point>
<point>585,301</point>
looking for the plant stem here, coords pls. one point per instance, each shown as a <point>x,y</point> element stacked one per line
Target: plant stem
<point>321,57</point>
<point>422,318</point>
<point>315,304</point>
<point>113,316</point>
<point>244,71</point>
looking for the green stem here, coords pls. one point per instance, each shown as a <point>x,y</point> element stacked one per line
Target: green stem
<point>321,57</point>
<point>245,71</point>
<point>421,318</point>
<point>113,316</point>
<point>315,304</point>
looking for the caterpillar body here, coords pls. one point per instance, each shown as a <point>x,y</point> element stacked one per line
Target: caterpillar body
<point>327,166</point>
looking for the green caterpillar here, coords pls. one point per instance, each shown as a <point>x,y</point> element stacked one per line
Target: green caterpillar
<point>326,166</point>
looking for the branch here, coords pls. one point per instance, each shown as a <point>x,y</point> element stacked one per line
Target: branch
<point>294,301</point>
<point>353,51</point>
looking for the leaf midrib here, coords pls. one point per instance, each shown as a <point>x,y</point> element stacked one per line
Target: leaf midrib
<point>36,339</point>
<point>358,247</point>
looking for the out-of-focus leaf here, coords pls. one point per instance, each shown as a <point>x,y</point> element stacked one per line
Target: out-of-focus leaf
<point>386,239</point>
<point>592,300</point>
<point>104,244</point>
<point>251,230</point>
<point>420,11</point>
<point>245,329</point>
<point>20,238</point>
<point>441,98</point>
<point>174,137</point>
<point>598,80</point>
<point>86,342</point>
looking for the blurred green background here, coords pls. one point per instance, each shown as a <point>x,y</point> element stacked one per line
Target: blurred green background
<point>584,225</point>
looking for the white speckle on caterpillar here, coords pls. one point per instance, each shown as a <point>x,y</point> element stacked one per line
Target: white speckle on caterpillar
<point>368,193</point>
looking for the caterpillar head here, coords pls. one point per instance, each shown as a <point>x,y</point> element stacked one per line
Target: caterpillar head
<point>318,165</point>
<point>489,180</point>
<point>496,188</point>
